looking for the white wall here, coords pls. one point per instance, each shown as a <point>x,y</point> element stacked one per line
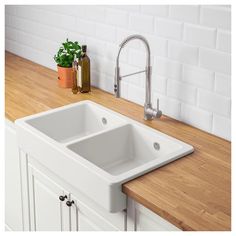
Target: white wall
<point>190,45</point>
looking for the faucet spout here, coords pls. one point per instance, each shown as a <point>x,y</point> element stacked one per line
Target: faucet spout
<point>149,112</point>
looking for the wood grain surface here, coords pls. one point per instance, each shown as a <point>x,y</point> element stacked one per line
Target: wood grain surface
<point>193,193</point>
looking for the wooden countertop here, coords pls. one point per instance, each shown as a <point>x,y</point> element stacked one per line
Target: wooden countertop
<point>193,193</point>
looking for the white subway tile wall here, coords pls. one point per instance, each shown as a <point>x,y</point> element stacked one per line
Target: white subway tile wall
<point>190,46</point>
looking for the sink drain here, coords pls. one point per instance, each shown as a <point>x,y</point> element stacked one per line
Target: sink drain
<point>104,120</point>
<point>156,146</point>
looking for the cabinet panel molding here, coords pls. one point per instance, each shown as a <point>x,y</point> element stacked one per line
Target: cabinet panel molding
<point>13,198</point>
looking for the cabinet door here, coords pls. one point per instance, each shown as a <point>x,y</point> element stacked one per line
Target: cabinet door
<point>142,219</point>
<point>47,212</point>
<point>84,218</point>
<point>13,203</point>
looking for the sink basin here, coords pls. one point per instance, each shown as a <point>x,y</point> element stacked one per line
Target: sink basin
<point>123,149</point>
<point>64,125</point>
<point>95,149</point>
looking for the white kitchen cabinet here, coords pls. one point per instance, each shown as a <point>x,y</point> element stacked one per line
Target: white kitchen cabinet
<point>139,218</point>
<point>44,211</point>
<point>47,211</point>
<point>13,203</point>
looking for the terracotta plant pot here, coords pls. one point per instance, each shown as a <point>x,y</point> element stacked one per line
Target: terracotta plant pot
<point>65,77</point>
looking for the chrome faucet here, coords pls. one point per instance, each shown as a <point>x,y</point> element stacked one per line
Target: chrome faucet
<point>149,112</point>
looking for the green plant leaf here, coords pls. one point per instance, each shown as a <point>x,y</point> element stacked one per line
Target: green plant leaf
<point>67,52</point>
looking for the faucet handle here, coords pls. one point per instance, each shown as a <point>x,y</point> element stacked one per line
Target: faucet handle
<point>117,82</point>
<point>158,104</point>
<point>158,111</point>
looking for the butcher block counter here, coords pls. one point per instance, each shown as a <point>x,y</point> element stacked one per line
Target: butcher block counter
<point>193,193</point>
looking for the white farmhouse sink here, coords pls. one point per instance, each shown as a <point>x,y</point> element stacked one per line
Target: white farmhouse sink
<point>74,122</point>
<point>96,149</point>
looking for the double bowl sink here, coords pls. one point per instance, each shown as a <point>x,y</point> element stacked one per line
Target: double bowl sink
<point>95,149</point>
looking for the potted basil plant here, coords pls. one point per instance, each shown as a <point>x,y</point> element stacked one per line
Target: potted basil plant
<point>64,59</point>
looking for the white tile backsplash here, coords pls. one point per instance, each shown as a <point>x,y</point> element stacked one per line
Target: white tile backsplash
<point>185,13</point>
<point>198,77</point>
<point>158,10</point>
<point>158,45</point>
<point>128,8</point>
<point>168,68</point>
<point>141,23</point>
<point>221,126</point>
<point>190,46</point>
<point>216,17</point>
<point>181,91</point>
<point>29,53</point>
<point>223,85</point>
<point>95,13</point>
<point>200,36</point>
<point>224,41</point>
<point>182,52</point>
<point>159,84</point>
<point>168,28</point>
<point>213,102</point>
<point>136,94</point>
<point>105,32</point>
<point>74,10</point>
<point>86,27</point>
<point>215,60</point>
<point>137,79</point>
<point>116,17</point>
<point>196,117</point>
<point>136,57</point>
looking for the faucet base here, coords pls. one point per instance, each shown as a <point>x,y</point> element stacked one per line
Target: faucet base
<point>150,113</point>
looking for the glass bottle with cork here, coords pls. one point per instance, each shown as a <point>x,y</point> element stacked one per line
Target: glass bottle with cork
<point>75,77</point>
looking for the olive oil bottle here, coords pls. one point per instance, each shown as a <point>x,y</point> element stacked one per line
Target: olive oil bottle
<point>84,71</point>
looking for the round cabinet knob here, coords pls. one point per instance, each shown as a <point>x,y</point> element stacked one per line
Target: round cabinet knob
<point>69,203</point>
<point>62,198</point>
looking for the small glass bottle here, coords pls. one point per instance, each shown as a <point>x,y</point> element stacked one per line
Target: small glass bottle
<point>84,71</point>
<point>74,71</point>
